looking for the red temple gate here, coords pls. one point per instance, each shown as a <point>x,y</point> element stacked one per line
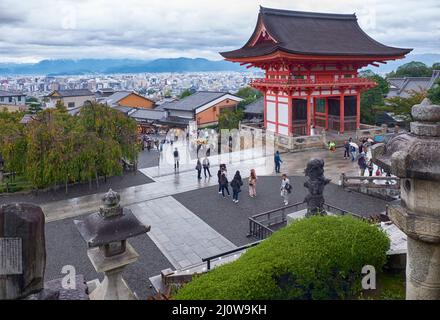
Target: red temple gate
<point>311,63</point>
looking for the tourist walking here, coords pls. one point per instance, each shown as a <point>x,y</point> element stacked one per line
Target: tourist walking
<point>224,183</point>
<point>253,184</point>
<point>286,188</point>
<point>206,166</point>
<point>353,151</point>
<point>362,163</point>
<point>199,169</point>
<point>236,184</point>
<point>278,161</point>
<point>346,150</point>
<point>176,159</point>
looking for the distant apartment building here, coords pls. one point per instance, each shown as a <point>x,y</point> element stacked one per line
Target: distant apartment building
<point>12,101</point>
<point>72,99</point>
<point>128,99</point>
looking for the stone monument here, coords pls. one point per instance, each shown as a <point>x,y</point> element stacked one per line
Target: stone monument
<point>106,233</point>
<point>315,183</point>
<point>415,158</point>
<point>22,250</point>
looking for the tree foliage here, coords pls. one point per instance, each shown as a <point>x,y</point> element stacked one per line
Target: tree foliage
<point>411,69</point>
<point>434,93</point>
<point>185,93</point>
<point>230,119</point>
<point>373,98</point>
<point>313,258</point>
<point>57,148</point>
<point>402,106</point>
<point>249,95</point>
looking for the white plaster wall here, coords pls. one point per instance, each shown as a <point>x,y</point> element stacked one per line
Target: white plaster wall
<point>283,113</point>
<point>271,116</point>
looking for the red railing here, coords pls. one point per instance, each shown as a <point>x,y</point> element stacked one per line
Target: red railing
<point>310,82</point>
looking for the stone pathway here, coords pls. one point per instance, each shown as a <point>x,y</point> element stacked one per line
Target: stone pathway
<point>181,236</point>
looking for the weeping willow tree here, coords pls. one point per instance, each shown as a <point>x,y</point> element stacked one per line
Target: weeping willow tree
<point>57,148</point>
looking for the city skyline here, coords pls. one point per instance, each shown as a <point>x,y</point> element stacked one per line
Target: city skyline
<point>63,29</point>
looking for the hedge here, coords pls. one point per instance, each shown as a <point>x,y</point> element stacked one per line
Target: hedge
<point>313,258</point>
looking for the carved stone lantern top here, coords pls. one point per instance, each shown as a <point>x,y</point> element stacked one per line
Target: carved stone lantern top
<point>415,154</point>
<point>111,224</point>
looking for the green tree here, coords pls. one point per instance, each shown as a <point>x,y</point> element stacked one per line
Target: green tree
<point>249,95</point>
<point>411,69</point>
<point>185,93</point>
<point>12,141</point>
<point>34,107</point>
<point>167,93</point>
<point>373,98</point>
<point>402,106</point>
<point>434,93</point>
<point>230,119</point>
<point>436,66</point>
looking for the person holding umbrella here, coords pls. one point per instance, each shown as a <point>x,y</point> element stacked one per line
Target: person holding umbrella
<point>353,150</point>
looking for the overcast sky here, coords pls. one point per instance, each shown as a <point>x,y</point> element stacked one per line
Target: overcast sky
<point>49,29</point>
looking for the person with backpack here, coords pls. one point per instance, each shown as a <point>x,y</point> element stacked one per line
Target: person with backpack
<point>176,159</point>
<point>346,150</point>
<point>236,184</point>
<point>253,184</point>
<point>224,184</point>
<point>206,166</point>
<point>199,169</point>
<point>278,161</point>
<point>362,163</point>
<point>286,189</point>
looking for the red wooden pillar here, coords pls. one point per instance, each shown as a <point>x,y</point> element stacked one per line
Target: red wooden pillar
<point>276,112</point>
<point>290,113</point>
<point>341,112</point>
<point>265,109</point>
<point>309,117</point>
<point>326,113</point>
<point>358,110</point>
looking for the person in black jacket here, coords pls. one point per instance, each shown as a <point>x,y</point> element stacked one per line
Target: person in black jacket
<point>224,183</point>
<point>236,184</point>
<point>199,169</point>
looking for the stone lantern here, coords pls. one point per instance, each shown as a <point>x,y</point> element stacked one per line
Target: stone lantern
<point>415,158</point>
<point>106,233</point>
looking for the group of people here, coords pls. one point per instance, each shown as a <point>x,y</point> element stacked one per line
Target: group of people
<point>237,182</point>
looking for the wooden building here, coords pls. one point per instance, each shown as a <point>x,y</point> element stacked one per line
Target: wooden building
<point>128,99</point>
<point>311,62</point>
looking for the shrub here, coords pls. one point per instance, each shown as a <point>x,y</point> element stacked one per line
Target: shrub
<point>313,258</point>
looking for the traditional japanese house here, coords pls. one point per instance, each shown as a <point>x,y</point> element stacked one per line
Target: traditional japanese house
<point>311,62</point>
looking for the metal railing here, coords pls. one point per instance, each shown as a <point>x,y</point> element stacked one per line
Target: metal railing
<point>390,182</point>
<point>226,253</point>
<point>260,224</point>
<point>261,229</point>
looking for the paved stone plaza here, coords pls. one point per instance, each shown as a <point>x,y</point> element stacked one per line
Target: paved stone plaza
<point>189,219</point>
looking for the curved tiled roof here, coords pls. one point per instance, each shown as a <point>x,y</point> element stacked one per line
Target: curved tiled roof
<point>309,33</point>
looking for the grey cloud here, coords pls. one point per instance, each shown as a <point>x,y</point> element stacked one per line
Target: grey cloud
<point>156,28</point>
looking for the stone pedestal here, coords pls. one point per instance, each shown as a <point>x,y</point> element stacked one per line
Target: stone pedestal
<point>113,287</point>
<point>415,158</point>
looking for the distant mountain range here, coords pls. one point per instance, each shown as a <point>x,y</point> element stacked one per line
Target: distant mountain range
<point>109,66</point>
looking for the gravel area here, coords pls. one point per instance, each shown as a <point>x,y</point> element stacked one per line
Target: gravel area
<point>231,220</point>
<point>65,246</point>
